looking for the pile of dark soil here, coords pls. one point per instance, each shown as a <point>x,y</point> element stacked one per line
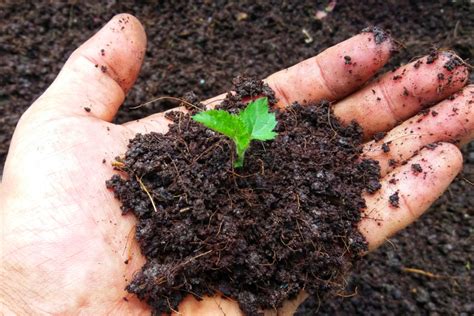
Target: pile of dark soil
<point>284,222</point>
<point>217,40</point>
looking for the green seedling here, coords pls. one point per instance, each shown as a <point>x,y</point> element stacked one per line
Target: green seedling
<point>254,122</point>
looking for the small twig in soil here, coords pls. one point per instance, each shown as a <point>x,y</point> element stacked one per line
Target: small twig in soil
<point>193,293</point>
<point>195,257</point>
<point>262,166</point>
<point>171,308</point>
<point>319,303</point>
<point>71,16</point>
<point>469,182</point>
<point>219,230</point>
<point>210,218</point>
<point>308,38</point>
<point>272,263</point>
<point>179,123</point>
<point>218,260</point>
<point>162,279</point>
<point>281,239</point>
<point>175,168</point>
<point>184,209</point>
<point>347,295</point>
<point>208,150</point>
<point>185,145</point>
<point>456,27</point>
<point>329,121</point>
<point>143,187</point>
<point>117,164</point>
<point>422,272</point>
<point>232,172</point>
<point>346,250</point>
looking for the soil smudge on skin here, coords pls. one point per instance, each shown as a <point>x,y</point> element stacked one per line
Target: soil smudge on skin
<point>284,222</point>
<point>380,35</point>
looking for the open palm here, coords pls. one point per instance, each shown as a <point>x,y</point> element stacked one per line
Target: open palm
<point>66,249</point>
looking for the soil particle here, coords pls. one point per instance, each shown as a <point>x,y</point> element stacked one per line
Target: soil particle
<point>392,162</point>
<point>432,56</point>
<point>260,234</point>
<point>394,200</point>
<point>379,135</point>
<point>418,64</point>
<point>416,168</point>
<point>373,186</point>
<point>452,63</point>
<point>425,112</point>
<point>386,147</point>
<point>380,35</point>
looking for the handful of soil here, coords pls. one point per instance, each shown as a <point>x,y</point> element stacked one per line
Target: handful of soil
<point>285,222</point>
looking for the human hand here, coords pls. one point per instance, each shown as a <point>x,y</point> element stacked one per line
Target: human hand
<point>64,241</point>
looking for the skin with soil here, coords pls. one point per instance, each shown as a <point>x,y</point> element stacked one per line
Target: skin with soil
<point>284,222</point>
<point>187,37</point>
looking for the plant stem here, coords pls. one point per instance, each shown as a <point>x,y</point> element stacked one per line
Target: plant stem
<point>239,163</point>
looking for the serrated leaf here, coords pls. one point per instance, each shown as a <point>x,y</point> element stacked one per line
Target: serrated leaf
<point>258,121</point>
<point>221,121</point>
<point>228,124</point>
<point>254,122</point>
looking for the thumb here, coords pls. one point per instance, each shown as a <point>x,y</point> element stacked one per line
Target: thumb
<point>96,77</point>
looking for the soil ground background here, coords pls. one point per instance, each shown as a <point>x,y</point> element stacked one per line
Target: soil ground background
<point>202,45</point>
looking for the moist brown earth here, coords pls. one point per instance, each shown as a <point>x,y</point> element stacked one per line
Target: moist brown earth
<point>260,234</point>
<point>202,45</point>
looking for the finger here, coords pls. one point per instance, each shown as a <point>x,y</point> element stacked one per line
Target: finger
<point>98,74</point>
<point>451,121</point>
<point>334,73</point>
<point>417,184</point>
<point>218,305</point>
<point>157,123</point>
<point>289,307</point>
<point>326,76</point>
<point>399,95</point>
<point>208,306</point>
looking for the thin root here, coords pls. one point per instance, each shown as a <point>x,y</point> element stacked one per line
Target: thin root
<point>143,187</point>
<point>344,295</point>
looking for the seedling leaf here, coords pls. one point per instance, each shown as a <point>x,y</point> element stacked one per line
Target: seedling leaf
<point>254,122</point>
<point>220,121</point>
<point>258,121</point>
